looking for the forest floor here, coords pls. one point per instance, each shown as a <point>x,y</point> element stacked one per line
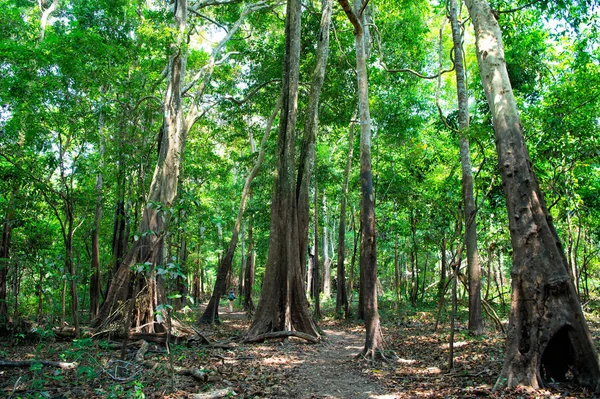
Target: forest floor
<point>417,366</point>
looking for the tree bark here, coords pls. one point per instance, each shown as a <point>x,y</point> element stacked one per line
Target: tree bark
<point>341,300</point>
<point>163,189</point>
<point>283,305</point>
<point>95,266</point>
<point>7,227</point>
<point>249,273</point>
<point>475,321</point>
<point>548,335</point>
<point>326,258</point>
<point>368,254</point>
<point>311,125</point>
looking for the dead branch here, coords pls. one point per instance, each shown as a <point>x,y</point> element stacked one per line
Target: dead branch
<point>28,363</point>
<point>219,393</point>
<point>281,334</point>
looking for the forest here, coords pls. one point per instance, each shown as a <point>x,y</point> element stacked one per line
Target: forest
<point>299,198</point>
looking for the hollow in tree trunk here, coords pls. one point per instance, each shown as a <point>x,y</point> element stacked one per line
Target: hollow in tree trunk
<point>548,338</point>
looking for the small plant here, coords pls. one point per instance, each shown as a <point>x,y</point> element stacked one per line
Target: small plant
<point>138,391</point>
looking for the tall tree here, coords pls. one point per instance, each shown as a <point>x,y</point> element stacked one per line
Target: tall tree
<point>548,335</point>
<point>283,305</point>
<point>341,299</point>
<point>163,188</point>
<point>368,255</point>
<point>470,211</point>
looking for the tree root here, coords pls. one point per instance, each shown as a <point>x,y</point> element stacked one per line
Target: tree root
<point>373,355</point>
<point>29,363</point>
<point>281,334</point>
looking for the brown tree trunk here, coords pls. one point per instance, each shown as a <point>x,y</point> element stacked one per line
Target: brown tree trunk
<point>283,305</point>
<point>548,337</point>
<point>316,272</point>
<point>311,125</point>
<point>7,227</point>
<point>341,300</point>
<point>161,194</point>
<point>95,256</point>
<point>475,321</point>
<point>368,254</point>
<point>249,273</point>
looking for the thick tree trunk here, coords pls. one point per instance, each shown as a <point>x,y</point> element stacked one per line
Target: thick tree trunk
<point>283,305</point>
<point>548,338</point>
<point>163,189</point>
<point>341,300</point>
<point>475,321</point>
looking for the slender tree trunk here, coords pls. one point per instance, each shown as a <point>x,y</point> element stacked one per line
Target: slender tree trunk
<point>211,313</point>
<point>7,227</point>
<point>316,279</point>
<point>475,321</point>
<point>311,125</point>
<point>396,271</point>
<point>283,305</point>
<point>341,300</point>
<point>548,335</point>
<point>368,253</point>
<point>249,273</point>
<point>326,258</point>
<point>95,266</point>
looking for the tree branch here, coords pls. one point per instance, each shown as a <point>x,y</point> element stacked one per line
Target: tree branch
<point>358,29</point>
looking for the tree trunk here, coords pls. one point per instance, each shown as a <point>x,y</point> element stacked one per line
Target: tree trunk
<point>163,189</point>
<point>548,335</point>
<point>211,313</point>
<point>316,277</point>
<point>368,254</point>
<point>475,321</point>
<point>311,125</point>
<point>283,305</point>
<point>7,227</point>
<point>95,266</point>
<point>326,258</point>
<point>341,300</point>
<point>249,273</point>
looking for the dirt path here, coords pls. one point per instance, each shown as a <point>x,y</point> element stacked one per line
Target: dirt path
<point>329,371</point>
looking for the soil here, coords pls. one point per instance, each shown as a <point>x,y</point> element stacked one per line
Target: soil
<point>417,366</point>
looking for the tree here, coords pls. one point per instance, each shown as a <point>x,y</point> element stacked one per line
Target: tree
<point>368,254</point>
<point>470,211</point>
<point>163,188</point>
<point>548,335</point>
<point>283,305</point>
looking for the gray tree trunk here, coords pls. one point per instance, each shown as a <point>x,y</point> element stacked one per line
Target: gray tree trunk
<point>475,321</point>
<point>548,338</point>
